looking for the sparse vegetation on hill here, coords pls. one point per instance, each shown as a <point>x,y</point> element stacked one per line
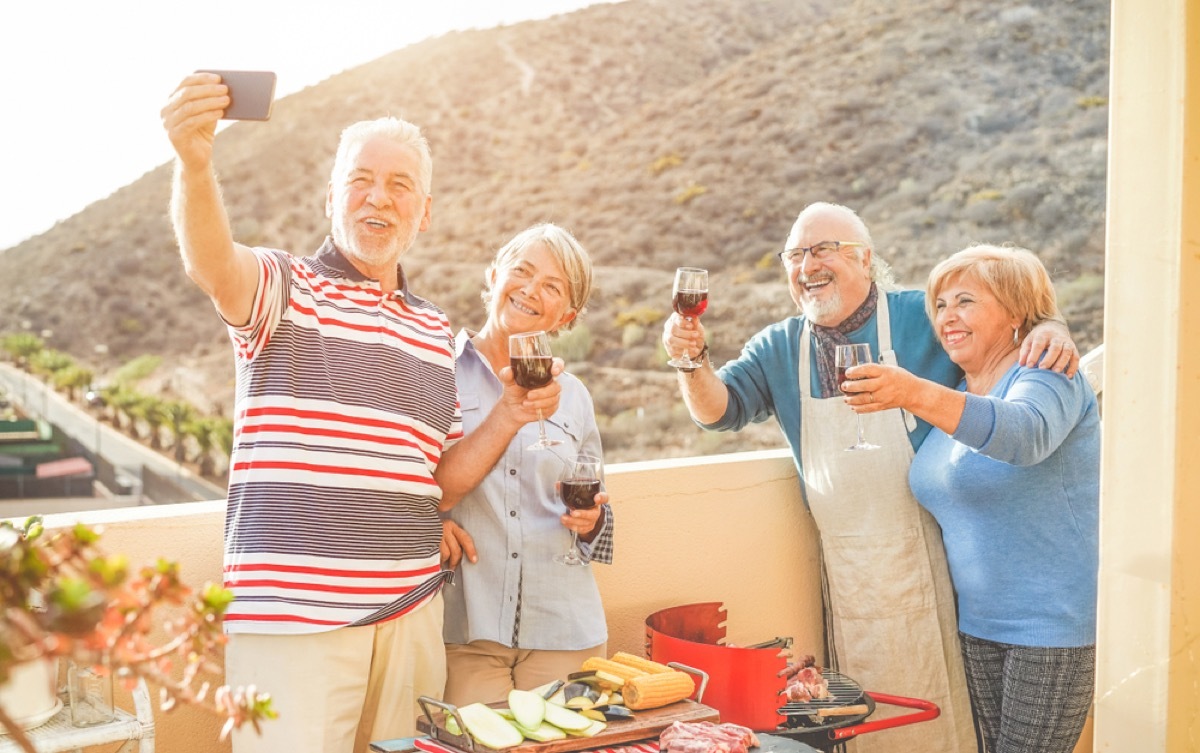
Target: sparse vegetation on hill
<point>661,132</point>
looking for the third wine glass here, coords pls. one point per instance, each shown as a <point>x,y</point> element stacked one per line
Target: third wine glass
<point>689,298</point>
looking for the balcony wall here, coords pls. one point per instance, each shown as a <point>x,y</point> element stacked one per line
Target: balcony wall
<point>728,528</point>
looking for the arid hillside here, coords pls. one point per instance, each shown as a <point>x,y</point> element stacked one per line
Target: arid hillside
<point>663,133</point>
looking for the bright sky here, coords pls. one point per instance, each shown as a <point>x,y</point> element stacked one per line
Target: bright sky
<point>84,80</point>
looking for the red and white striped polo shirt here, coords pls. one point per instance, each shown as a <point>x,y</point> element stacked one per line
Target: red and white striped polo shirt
<point>345,402</point>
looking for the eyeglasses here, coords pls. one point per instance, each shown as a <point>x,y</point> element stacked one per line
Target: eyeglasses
<point>820,251</point>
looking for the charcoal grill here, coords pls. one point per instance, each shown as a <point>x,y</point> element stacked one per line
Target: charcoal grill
<point>745,687</point>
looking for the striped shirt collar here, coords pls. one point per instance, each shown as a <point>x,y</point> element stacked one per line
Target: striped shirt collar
<point>332,258</point>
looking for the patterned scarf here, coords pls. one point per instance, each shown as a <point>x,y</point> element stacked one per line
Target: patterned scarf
<point>825,340</point>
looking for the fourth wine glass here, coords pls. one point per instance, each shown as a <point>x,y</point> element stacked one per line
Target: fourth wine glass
<point>844,357</point>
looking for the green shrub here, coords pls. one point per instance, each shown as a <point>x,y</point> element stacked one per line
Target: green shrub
<point>632,334</point>
<point>574,345</point>
<point>643,315</point>
<point>137,369</point>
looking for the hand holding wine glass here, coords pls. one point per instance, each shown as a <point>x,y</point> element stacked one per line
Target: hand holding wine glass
<point>577,488</point>
<point>846,356</point>
<point>531,361</point>
<point>689,298</point>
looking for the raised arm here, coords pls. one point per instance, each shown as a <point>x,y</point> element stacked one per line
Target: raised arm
<point>705,395</point>
<point>224,270</point>
<point>463,466</point>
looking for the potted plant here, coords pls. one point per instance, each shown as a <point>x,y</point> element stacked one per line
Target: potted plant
<point>63,597</point>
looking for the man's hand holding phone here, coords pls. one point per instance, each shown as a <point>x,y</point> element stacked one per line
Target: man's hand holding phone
<point>204,97</point>
<point>251,94</point>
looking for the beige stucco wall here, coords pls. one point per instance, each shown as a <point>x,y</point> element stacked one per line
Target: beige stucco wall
<point>728,528</point>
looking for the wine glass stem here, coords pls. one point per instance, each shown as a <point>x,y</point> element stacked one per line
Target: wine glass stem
<point>861,440</point>
<point>541,427</point>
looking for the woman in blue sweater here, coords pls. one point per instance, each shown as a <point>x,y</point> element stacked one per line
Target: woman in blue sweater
<point>1011,472</point>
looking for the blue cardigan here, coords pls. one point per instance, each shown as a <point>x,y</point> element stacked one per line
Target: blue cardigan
<point>1017,493</point>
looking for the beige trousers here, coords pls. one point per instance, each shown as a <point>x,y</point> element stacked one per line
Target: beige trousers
<point>336,692</point>
<point>485,671</point>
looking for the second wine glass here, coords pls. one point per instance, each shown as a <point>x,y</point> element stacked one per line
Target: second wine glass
<point>689,298</point>
<point>577,488</point>
<point>531,360</point>
<point>843,358</point>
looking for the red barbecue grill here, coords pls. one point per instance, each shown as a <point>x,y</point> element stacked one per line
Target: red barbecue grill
<point>745,687</point>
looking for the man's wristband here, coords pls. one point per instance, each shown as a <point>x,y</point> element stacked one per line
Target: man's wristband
<point>698,360</point>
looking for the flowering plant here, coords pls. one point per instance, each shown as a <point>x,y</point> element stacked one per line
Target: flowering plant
<point>64,597</point>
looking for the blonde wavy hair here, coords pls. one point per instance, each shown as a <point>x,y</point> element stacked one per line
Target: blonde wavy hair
<point>1015,276</point>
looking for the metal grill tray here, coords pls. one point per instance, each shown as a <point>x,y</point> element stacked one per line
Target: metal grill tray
<point>843,691</point>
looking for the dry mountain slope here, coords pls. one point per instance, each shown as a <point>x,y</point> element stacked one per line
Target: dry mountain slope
<point>662,133</point>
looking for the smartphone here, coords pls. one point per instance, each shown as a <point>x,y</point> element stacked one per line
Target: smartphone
<point>251,93</point>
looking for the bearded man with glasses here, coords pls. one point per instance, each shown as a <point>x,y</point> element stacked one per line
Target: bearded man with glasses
<point>889,611</point>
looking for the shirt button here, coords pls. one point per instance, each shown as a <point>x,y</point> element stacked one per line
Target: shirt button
<point>512,471</point>
<point>514,555</point>
<point>512,513</point>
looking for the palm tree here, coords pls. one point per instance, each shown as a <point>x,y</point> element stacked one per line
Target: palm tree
<point>203,431</point>
<point>73,378</point>
<point>178,415</point>
<point>22,346</point>
<point>153,411</point>
<point>47,362</point>
<point>223,436</point>
<point>124,401</point>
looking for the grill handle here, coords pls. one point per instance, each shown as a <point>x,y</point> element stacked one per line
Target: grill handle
<point>693,671</point>
<point>926,710</point>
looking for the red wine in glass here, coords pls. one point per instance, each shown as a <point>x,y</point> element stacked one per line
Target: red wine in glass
<point>579,493</point>
<point>841,377</point>
<point>531,372</point>
<point>846,356</point>
<point>578,486</point>
<point>690,303</point>
<point>689,298</point>
<point>531,360</point>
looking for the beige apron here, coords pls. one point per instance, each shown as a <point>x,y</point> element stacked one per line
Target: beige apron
<point>890,617</point>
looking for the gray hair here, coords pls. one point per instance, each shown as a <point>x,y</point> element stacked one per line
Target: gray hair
<point>567,251</point>
<point>881,271</point>
<point>399,131</point>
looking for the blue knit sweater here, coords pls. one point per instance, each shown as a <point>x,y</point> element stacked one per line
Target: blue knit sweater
<point>1016,491</point>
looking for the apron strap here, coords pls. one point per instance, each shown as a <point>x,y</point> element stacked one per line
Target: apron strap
<point>887,355</point>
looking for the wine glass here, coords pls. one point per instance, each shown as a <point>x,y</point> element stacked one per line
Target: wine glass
<point>529,355</point>
<point>689,298</point>
<point>577,488</point>
<point>844,357</point>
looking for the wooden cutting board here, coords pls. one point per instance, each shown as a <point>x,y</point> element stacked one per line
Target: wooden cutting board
<point>645,724</point>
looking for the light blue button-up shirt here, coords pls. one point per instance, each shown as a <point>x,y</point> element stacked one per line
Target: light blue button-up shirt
<point>513,515</point>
